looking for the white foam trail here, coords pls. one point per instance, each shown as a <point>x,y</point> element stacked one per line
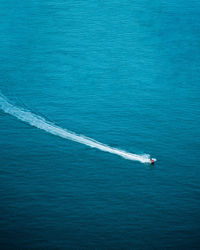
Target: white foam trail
<point>41,123</point>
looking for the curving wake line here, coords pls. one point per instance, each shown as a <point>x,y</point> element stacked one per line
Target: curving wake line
<point>41,123</point>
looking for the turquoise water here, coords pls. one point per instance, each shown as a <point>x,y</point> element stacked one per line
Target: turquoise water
<point>124,73</point>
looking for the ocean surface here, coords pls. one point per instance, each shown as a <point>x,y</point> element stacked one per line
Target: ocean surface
<point>124,73</point>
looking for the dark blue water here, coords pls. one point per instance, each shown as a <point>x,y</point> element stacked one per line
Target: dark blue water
<point>125,73</point>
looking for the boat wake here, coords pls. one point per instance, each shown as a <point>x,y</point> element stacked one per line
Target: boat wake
<point>41,123</point>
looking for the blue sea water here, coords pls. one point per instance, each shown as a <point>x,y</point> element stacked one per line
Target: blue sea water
<point>125,73</point>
